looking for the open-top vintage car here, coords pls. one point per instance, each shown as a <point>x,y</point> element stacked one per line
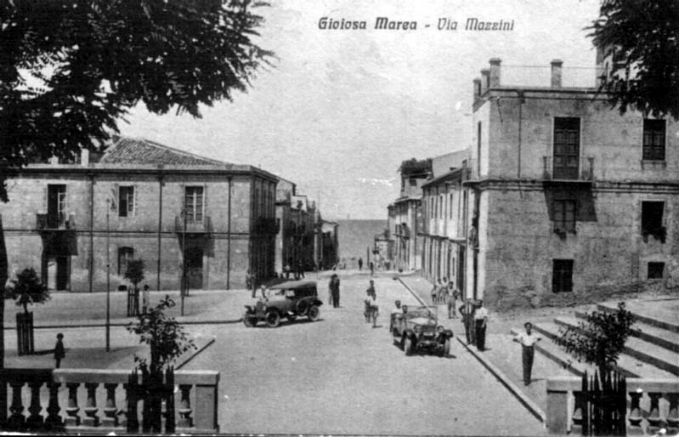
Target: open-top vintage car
<point>417,329</point>
<point>288,299</point>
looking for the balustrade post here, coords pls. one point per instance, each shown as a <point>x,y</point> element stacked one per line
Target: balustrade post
<point>72,409</point>
<point>110,410</point>
<point>53,418</point>
<point>35,419</point>
<point>16,419</point>
<point>673,413</point>
<point>635,418</point>
<point>185,411</point>
<point>654,413</point>
<point>91,406</point>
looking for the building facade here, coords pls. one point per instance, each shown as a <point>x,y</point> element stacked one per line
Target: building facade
<point>186,216</point>
<point>565,192</point>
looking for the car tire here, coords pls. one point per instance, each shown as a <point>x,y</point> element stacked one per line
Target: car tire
<point>408,346</point>
<point>302,307</point>
<point>313,313</point>
<point>273,319</point>
<point>249,320</point>
<point>446,348</point>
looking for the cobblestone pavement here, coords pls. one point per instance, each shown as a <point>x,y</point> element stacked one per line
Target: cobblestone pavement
<point>339,375</point>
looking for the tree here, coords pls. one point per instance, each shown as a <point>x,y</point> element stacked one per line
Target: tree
<point>27,289</point>
<point>135,272</point>
<point>642,39</point>
<point>70,69</point>
<point>600,339</point>
<point>164,335</point>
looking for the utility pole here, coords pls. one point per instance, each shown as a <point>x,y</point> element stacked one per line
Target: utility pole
<point>108,277</point>
<point>184,284</point>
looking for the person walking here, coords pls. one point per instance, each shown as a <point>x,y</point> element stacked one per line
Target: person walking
<point>371,307</point>
<point>527,341</point>
<point>59,350</point>
<point>335,290</point>
<point>452,300</point>
<point>360,264</point>
<point>480,323</point>
<point>467,313</point>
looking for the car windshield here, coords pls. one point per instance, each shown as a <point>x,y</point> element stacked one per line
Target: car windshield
<point>415,312</point>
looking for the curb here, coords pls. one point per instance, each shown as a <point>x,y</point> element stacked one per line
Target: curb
<point>513,389</point>
<point>124,324</point>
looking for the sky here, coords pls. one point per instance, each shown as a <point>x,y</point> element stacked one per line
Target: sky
<point>341,109</point>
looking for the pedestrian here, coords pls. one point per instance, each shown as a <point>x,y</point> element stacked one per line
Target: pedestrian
<point>372,268</point>
<point>467,313</point>
<point>59,351</point>
<point>335,290</point>
<point>480,323</point>
<point>251,283</point>
<point>330,285</point>
<point>360,263</point>
<point>452,300</point>
<point>300,269</point>
<point>396,313</point>
<point>145,298</point>
<point>371,307</point>
<point>435,291</point>
<point>287,269</point>
<point>527,341</point>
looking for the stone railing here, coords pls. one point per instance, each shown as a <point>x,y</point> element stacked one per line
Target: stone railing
<point>98,401</point>
<point>652,404</point>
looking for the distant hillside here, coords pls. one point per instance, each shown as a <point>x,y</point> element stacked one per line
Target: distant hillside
<point>355,236</point>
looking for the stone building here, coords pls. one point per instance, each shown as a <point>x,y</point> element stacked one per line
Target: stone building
<point>141,200</point>
<point>565,192</point>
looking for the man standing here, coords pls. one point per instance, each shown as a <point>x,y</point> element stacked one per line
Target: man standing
<point>467,313</point>
<point>250,283</point>
<point>335,290</point>
<point>453,294</point>
<point>360,263</point>
<point>527,341</point>
<point>480,322</point>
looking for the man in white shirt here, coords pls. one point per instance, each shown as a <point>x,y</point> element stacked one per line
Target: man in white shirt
<point>480,322</point>
<point>527,341</point>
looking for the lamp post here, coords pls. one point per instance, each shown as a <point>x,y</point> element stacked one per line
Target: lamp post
<point>108,278</point>
<point>184,284</point>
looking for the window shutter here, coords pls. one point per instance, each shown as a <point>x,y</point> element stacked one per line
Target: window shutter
<point>45,200</point>
<point>205,210</point>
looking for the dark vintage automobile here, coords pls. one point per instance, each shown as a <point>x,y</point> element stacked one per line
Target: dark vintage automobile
<point>417,329</point>
<point>288,299</point>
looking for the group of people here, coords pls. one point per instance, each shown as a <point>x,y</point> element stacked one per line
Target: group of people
<point>445,292</point>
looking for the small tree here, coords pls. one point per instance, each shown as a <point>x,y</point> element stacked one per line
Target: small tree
<point>135,272</point>
<point>164,335</point>
<point>27,289</point>
<point>600,339</point>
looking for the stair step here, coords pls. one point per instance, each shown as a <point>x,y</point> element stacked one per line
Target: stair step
<point>640,350</point>
<point>650,313</point>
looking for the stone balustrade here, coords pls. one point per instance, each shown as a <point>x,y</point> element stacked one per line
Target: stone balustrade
<point>99,401</point>
<point>652,404</point>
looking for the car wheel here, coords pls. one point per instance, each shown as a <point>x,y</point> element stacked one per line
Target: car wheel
<point>302,307</point>
<point>408,346</point>
<point>314,312</point>
<point>249,320</point>
<point>446,348</point>
<point>291,317</point>
<point>272,319</point>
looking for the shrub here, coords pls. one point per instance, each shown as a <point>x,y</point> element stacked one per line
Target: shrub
<point>27,289</point>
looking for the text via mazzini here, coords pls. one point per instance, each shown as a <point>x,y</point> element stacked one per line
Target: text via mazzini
<point>443,24</point>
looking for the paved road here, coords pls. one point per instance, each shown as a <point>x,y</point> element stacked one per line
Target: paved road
<point>339,375</point>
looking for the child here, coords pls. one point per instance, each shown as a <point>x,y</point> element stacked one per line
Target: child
<point>59,351</point>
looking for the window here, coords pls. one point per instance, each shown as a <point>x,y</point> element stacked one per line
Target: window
<point>652,220</point>
<point>125,201</point>
<point>654,140</point>
<point>566,148</point>
<point>562,275</point>
<point>125,255</point>
<point>655,270</point>
<point>564,216</point>
<point>194,204</point>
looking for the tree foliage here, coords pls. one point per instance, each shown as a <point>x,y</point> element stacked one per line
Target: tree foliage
<point>70,69</point>
<point>164,335</point>
<point>642,38</point>
<point>600,339</point>
<point>413,167</point>
<point>135,271</point>
<point>27,289</point>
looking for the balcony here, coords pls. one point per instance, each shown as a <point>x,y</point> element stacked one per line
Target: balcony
<point>102,402</point>
<point>568,169</point>
<point>191,226</point>
<point>55,222</point>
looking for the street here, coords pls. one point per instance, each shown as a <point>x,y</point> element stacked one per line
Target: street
<point>341,376</point>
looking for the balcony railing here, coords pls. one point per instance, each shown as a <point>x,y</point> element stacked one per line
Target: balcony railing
<point>54,222</point>
<point>100,401</point>
<point>568,168</point>
<point>651,405</point>
<point>191,226</point>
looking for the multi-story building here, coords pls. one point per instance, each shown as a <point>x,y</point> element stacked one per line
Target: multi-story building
<point>445,204</point>
<point>180,213</point>
<point>565,192</point>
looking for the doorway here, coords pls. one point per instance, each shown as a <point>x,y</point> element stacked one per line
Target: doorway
<point>194,267</point>
<point>58,272</point>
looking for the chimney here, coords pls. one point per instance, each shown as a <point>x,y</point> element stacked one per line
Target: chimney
<point>477,89</point>
<point>556,73</point>
<point>494,73</point>
<point>84,157</point>
<point>485,80</point>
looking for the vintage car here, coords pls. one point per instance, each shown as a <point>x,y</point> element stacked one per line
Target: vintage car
<point>288,299</point>
<point>417,329</point>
